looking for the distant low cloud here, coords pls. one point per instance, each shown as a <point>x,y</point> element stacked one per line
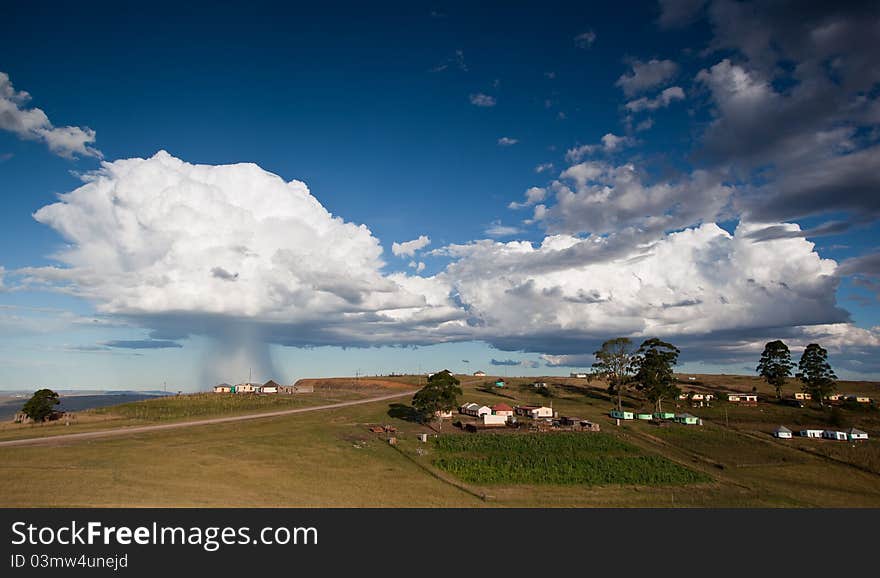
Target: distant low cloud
<point>33,124</point>
<point>609,143</point>
<point>646,75</point>
<point>534,195</point>
<point>543,167</point>
<point>496,229</point>
<point>585,39</point>
<point>507,141</point>
<point>664,99</point>
<point>483,100</point>
<point>409,248</point>
<point>142,344</point>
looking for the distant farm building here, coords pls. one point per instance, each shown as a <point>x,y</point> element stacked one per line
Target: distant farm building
<point>534,411</point>
<point>443,414</point>
<point>831,434</point>
<point>502,409</point>
<point>811,433</point>
<point>782,432</point>
<point>589,426</point>
<point>491,419</point>
<point>223,388</point>
<point>697,398</point>
<point>617,414</point>
<point>540,385</point>
<point>579,375</point>
<point>643,416</point>
<point>743,398</point>
<point>479,374</point>
<point>856,434</point>
<point>664,415</point>
<point>246,387</point>
<point>475,409</point>
<point>858,398</point>
<point>687,419</point>
<point>802,395</point>
<point>269,387</point>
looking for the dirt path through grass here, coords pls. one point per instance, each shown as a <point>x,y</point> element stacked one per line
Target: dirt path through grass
<point>46,440</point>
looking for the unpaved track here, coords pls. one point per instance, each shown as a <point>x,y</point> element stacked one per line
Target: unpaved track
<point>107,433</point>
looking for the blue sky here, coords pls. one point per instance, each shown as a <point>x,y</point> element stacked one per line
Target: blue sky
<point>396,118</point>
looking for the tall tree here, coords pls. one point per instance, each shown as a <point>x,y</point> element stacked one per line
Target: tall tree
<point>41,405</point>
<point>816,374</point>
<point>439,394</point>
<point>652,365</point>
<point>613,362</point>
<point>775,365</point>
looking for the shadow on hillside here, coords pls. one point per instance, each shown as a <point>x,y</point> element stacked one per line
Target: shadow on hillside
<point>590,392</point>
<point>404,412</point>
<point>491,389</point>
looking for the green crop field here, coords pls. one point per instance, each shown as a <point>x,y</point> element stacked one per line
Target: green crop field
<point>559,458</point>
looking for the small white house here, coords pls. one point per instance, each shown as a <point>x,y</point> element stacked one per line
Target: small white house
<point>856,434</point>
<point>534,411</point>
<point>502,409</point>
<point>246,387</point>
<point>831,434</point>
<point>743,398</point>
<point>541,412</point>
<point>782,432</point>
<point>490,419</point>
<point>811,433</point>
<point>468,408</point>
<point>479,374</point>
<point>475,409</point>
<point>443,414</point>
<point>222,388</point>
<point>579,375</point>
<point>540,385</point>
<point>802,395</point>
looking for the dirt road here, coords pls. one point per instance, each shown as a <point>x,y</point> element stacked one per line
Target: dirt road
<point>106,433</point>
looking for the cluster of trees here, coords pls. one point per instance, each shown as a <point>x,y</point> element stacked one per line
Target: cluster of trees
<point>41,405</point>
<point>815,373</point>
<point>648,368</point>
<point>440,394</point>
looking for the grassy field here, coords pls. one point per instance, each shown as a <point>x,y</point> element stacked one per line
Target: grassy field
<point>195,406</point>
<point>330,458</point>
<point>556,458</point>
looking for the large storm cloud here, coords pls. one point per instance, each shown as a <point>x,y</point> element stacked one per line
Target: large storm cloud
<point>237,254</point>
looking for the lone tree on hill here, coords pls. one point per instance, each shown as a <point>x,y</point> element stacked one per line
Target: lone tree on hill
<point>775,365</point>
<point>613,362</point>
<point>41,405</point>
<point>440,394</point>
<point>816,374</point>
<point>652,365</point>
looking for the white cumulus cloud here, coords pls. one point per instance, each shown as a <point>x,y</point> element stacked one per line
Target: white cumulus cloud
<point>409,248</point>
<point>33,124</point>
<point>192,246</point>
